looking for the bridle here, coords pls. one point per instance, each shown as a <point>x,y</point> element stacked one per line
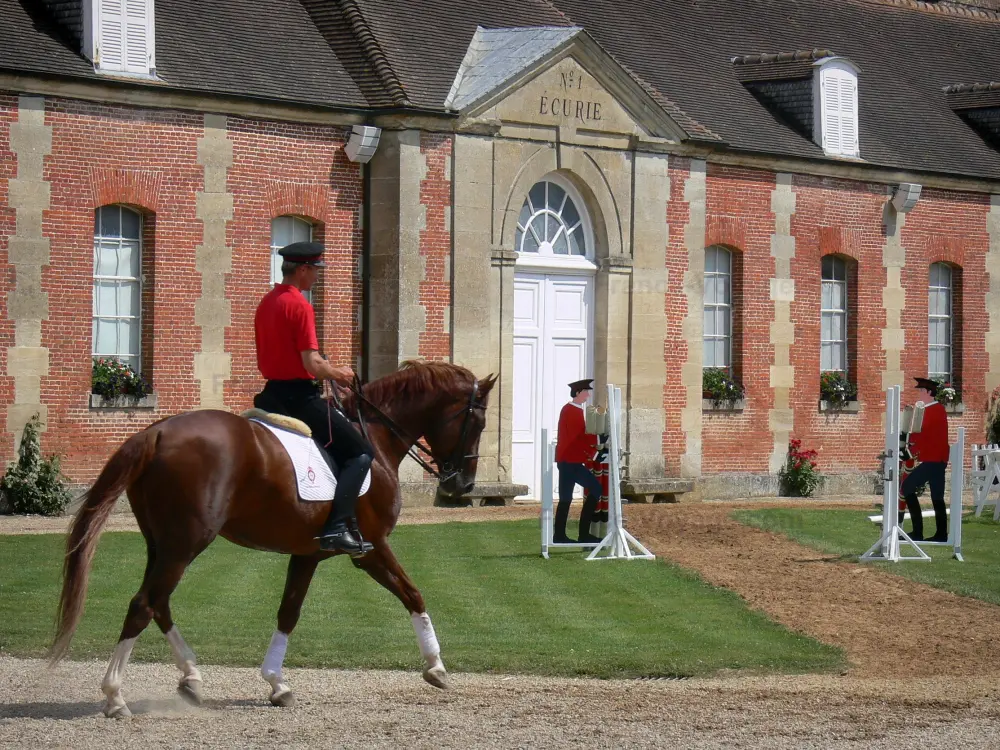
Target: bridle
<point>444,470</point>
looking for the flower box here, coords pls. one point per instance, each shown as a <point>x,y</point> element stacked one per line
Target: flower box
<point>849,407</point>
<point>955,408</point>
<point>122,402</point>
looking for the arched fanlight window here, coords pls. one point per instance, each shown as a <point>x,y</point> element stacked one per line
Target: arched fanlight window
<point>550,223</point>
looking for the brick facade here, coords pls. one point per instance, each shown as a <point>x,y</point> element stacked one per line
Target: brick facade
<point>153,161</point>
<point>148,159</point>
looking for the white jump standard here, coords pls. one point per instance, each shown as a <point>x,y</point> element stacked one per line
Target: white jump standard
<point>893,541</point>
<point>618,543</point>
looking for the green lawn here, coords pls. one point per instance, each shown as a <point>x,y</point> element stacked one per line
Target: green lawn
<point>496,606</point>
<point>850,533</point>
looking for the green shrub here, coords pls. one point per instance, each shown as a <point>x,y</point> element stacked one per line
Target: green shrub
<point>718,385</point>
<point>111,378</point>
<point>34,484</point>
<point>798,477</point>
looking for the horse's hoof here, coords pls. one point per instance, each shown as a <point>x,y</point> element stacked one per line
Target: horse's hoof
<point>117,712</point>
<point>437,676</point>
<point>283,698</point>
<point>190,691</point>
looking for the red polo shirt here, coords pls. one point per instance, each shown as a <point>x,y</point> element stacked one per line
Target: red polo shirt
<point>284,327</point>
<point>931,443</point>
<point>573,444</point>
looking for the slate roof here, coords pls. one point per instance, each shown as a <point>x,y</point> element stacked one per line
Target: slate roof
<point>407,54</point>
<point>496,55</point>
<point>274,52</point>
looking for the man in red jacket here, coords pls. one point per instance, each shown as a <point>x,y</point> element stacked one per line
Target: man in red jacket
<point>574,447</point>
<point>288,357</point>
<point>930,448</point>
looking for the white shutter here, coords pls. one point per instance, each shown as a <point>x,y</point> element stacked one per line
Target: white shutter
<point>849,116</point>
<point>839,102</point>
<point>136,36</point>
<point>832,114</point>
<point>111,49</point>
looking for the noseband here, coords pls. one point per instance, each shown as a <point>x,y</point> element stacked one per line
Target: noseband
<point>444,470</point>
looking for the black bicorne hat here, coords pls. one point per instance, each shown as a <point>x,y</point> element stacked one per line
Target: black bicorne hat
<point>580,385</point>
<point>309,253</point>
<point>928,385</point>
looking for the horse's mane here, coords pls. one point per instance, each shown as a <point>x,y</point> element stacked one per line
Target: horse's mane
<point>416,378</point>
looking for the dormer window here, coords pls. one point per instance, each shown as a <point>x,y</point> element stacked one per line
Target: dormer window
<point>118,36</point>
<point>979,105</point>
<point>813,92</point>
<point>835,109</point>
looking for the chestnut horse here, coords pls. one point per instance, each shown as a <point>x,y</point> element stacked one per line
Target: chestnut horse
<point>197,475</point>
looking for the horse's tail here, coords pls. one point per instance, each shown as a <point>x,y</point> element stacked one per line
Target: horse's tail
<point>128,462</point>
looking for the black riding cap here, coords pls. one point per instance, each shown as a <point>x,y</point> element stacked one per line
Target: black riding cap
<point>928,385</point>
<point>308,253</point>
<point>580,385</point>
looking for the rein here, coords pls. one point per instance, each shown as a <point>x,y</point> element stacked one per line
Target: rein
<point>444,470</point>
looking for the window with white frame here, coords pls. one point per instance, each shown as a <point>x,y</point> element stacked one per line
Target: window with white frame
<point>833,315</point>
<point>550,223</point>
<point>119,35</point>
<point>284,231</point>
<point>835,108</point>
<point>117,305</point>
<point>718,321</point>
<point>939,322</point>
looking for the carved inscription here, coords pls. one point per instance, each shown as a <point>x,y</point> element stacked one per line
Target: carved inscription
<point>573,102</point>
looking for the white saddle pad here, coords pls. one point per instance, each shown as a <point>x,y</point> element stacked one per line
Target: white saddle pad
<point>312,473</point>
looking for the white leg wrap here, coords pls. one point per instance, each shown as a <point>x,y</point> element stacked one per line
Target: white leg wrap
<point>112,684</point>
<point>270,670</point>
<point>275,656</point>
<point>184,657</point>
<point>429,647</point>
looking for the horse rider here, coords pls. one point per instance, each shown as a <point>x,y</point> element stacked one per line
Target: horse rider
<point>930,448</point>
<point>288,357</point>
<point>574,447</point>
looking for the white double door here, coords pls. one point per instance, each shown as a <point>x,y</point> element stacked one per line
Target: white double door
<point>553,346</point>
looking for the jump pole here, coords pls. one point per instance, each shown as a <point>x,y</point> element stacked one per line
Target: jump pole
<point>618,544</point>
<point>887,548</point>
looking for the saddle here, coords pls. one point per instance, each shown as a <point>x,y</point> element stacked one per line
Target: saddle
<point>316,482</point>
<point>291,424</point>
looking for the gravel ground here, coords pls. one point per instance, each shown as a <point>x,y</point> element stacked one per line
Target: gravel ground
<point>955,705</point>
<point>60,708</point>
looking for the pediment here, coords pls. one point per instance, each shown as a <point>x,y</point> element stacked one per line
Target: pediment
<point>565,82</point>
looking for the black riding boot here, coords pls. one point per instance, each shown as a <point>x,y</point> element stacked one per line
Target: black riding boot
<point>940,521</point>
<point>913,505</point>
<point>336,536</point>
<point>587,519</point>
<point>559,527</point>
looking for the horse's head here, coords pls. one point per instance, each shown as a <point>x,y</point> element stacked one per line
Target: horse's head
<point>445,405</point>
<point>453,439</point>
